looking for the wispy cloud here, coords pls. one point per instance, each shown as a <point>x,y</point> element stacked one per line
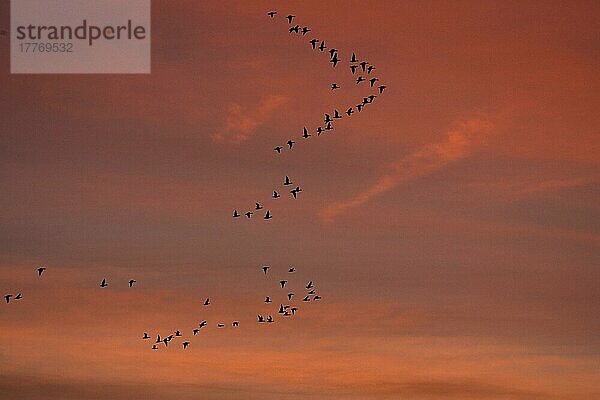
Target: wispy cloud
<point>242,121</point>
<point>458,143</point>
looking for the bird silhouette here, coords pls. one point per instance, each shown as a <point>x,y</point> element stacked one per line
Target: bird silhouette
<point>295,192</point>
<point>40,270</point>
<point>290,143</point>
<point>295,29</point>
<point>336,114</point>
<point>177,333</point>
<point>332,52</point>
<point>319,131</point>
<point>311,292</point>
<point>371,68</point>
<point>278,149</point>
<point>267,300</point>
<point>268,215</point>
<point>287,181</point>
<point>282,283</point>
<point>235,214</point>
<point>305,30</point>
<point>328,118</point>
<point>154,347</point>
<point>382,88</point>
<point>349,111</point>
<point>19,296</point>
<point>371,98</point>
<point>363,65</point>
<point>322,46</point>
<point>207,301</point>
<point>270,319</point>
<point>272,13</point>
<point>292,270</point>
<point>314,43</point>
<point>185,345</point>
<point>309,285</point>
<point>158,340</point>
<point>202,324</point>
<point>195,331</point>
<point>334,86</point>
<point>103,284</point>
<point>317,298</point>
<point>261,319</point>
<point>220,325</point>
<point>359,107</point>
<point>305,133</point>
<point>248,214</point>
<point>258,206</point>
<point>281,309</point>
<point>328,127</point>
<point>265,269</point>
<point>290,18</point>
<point>359,80</point>
<point>334,60</point>
<point>7,298</point>
<point>166,342</point>
<point>353,68</point>
<point>290,295</point>
<point>146,336</point>
<point>131,282</point>
<point>353,59</point>
<point>307,298</point>
<point>294,309</point>
<point>235,323</point>
<point>372,81</point>
<point>276,195</point>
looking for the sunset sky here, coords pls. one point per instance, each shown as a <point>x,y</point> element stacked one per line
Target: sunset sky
<point>452,227</point>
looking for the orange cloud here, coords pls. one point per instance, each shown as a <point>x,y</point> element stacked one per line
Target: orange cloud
<point>242,121</point>
<point>459,143</point>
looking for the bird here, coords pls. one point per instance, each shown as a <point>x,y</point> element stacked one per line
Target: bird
<point>40,270</point>
<point>311,292</point>
<point>276,195</point>
<point>365,101</point>
<point>207,301</point>
<point>294,309</point>
<point>328,118</point>
<point>268,215</point>
<point>381,88</point>
<point>220,325</point>
<point>195,331</point>
<point>272,13</point>
<point>317,298</point>
<point>270,319</point>
<point>7,298</point>
<point>295,192</point>
<point>371,68</point>
<point>322,46</point>
<point>154,347</point>
<point>282,283</point>
<point>248,214</point>
<point>353,58</point>
<point>292,270</point>
<point>332,52</point>
<point>371,98</point>
<point>290,18</point>
<point>235,323</point>
<point>278,149</point>
<point>359,80</point>
<point>334,60</point>
<point>307,298</point>
<point>258,206</point>
<point>336,114</point>
<point>261,319</point>
<point>158,340</point>
<point>235,214</point>
<point>18,296</point>
<point>328,127</point>
<point>290,295</point>
<point>305,30</point>
<point>281,309</point>
<point>166,342</point>
<point>363,65</point>
<point>305,133</point>
<point>359,107</point>
<point>373,80</point>
<point>202,324</point>
<point>103,283</point>
<point>265,268</point>
<point>267,300</point>
<point>349,111</point>
<point>131,282</point>
<point>146,336</point>
<point>290,143</point>
<point>287,181</point>
<point>319,131</point>
<point>334,86</point>
<point>185,345</point>
<point>314,43</point>
<point>353,68</point>
<point>177,333</point>
<point>295,29</point>
<point>309,285</point>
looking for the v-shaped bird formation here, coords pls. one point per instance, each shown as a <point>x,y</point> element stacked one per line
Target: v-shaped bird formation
<point>363,73</point>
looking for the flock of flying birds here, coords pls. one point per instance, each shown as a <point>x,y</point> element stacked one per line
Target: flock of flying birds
<point>359,68</point>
